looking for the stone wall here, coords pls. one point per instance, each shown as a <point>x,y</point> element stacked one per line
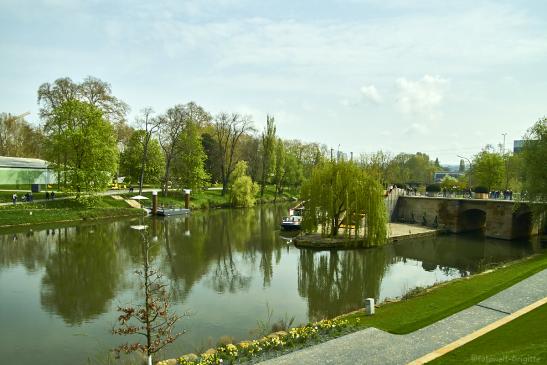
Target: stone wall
<point>498,218</point>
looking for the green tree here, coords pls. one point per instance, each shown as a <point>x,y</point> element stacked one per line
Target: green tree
<point>92,91</point>
<point>18,138</point>
<point>243,190</point>
<point>174,140</point>
<point>267,146</point>
<point>339,192</point>
<point>449,182</point>
<point>462,166</point>
<point>249,150</point>
<point>280,168</point>
<point>211,149</point>
<point>83,145</point>
<point>378,165</point>
<point>294,174</point>
<point>189,163</point>
<point>534,155</point>
<point>417,168</point>
<point>514,165</point>
<point>488,169</point>
<point>150,126</point>
<point>228,130</point>
<point>131,159</point>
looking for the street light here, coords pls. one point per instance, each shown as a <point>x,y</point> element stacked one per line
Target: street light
<point>469,172</point>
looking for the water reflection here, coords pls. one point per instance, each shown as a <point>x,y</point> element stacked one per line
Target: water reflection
<point>223,264</point>
<point>337,281</point>
<point>82,274</point>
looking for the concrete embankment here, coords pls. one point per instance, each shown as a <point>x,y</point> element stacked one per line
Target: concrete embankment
<point>396,232</point>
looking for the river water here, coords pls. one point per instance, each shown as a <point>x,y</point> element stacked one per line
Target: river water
<point>60,286</point>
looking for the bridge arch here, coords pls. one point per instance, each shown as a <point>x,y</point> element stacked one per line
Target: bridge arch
<point>472,219</point>
<point>522,224</point>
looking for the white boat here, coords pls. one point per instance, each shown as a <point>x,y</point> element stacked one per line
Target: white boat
<point>294,220</point>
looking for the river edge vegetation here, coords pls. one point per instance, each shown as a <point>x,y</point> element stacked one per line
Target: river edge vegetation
<point>400,316</point>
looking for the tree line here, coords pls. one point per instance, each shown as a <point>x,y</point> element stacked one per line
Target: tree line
<point>85,135</point>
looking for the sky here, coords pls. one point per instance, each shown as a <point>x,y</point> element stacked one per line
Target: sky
<point>440,77</point>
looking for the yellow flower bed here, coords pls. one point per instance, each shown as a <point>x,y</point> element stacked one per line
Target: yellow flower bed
<point>229,354</point>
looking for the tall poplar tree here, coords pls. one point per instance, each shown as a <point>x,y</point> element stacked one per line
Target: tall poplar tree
<point>267,145</point>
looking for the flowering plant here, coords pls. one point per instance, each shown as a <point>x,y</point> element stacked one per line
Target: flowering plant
<point>230,353</point>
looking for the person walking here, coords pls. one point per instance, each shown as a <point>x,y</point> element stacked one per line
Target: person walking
<point>14,198</point>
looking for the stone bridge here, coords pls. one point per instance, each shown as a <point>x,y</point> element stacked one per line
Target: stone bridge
<point>503,219</point>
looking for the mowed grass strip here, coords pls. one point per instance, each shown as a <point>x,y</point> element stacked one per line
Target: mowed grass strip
<point>521,341</point>
<point>446,299</point>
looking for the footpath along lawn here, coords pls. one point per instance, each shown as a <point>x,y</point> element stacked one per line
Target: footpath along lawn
<point>521,341</point>
<point>446,299</point>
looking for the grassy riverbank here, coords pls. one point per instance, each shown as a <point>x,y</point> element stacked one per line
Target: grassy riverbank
<point>62,211</point>
<point>419,309</point>
<point>521,341</point>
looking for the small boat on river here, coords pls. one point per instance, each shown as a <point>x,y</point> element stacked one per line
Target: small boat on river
<point>294,220</point>
<point>167,212</point>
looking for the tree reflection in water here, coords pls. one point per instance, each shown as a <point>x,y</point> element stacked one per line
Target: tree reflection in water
<point>336,282</point>
<point>82,274</point>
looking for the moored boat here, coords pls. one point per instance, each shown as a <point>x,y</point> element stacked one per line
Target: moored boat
<point>294,220</point>
<point>166,212</point>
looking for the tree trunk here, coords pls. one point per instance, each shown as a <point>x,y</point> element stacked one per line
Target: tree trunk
<point>166,177</point>
<point>143,164</point>
<point>224,185</point>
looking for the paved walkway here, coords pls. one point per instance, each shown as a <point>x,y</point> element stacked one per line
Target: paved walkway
<point>109,192</point>
<point>373,346</point>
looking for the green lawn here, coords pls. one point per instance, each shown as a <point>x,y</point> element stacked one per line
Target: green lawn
<point>521,341</point>
<point>446,299</point>
<point>63,210</point>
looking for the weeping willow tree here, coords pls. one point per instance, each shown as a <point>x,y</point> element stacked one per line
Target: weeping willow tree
<point>341,195</point>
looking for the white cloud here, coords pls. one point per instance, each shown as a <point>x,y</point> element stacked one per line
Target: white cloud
<point>371,94</point>
<point>423,97</point>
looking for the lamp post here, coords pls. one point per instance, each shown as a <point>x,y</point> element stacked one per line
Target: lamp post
<point>469,171</point>
<point>503,151</point>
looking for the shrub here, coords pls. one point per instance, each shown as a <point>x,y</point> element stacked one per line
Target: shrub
<point>481,189</point>
<point>243,192</point>
<point>433,188</point>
